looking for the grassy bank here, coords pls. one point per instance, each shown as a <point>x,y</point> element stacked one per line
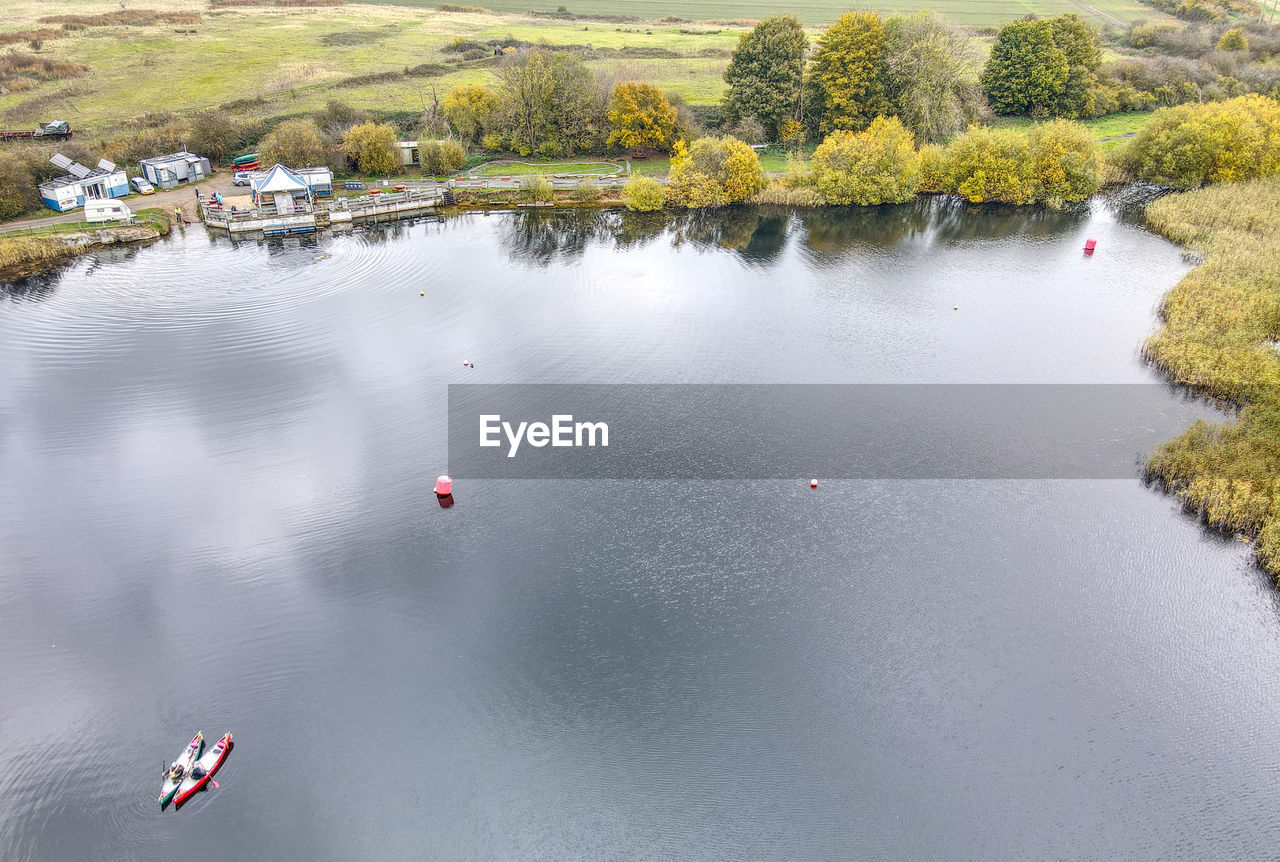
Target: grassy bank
<point>26,254</point>
<point>1221,325</point>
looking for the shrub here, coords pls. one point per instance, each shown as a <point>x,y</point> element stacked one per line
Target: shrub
<point>1233,40</point>
<point>644,194</point>
<point>640,116</point>
<point>1196,144</point>
<point>1146,34</point>
<point>441,157</point>
<point>1065,164</point>
<point>990,165</point>
<point>493,142</point>
<point>372,146</point>
<point>294,143</point>
<point>215,134</point>
<point>713,172</point>
<point>539,188</point>
<point>587,191</point>
<point>933,169</point>
<point>18,192</point>
<point>875,166</point>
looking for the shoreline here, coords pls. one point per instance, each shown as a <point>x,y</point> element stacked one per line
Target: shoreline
<point>1220,338</point>
<point>25,256</point>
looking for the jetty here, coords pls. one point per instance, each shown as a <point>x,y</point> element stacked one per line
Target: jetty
<point>336,213</point>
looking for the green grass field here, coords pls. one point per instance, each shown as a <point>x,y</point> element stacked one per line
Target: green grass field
<point>814,12</point>
<point>1110,130</point>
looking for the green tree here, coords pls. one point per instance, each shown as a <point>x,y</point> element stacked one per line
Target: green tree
<point>1233,40</point>
<point>643,194</point>
<point>372,146</point>
<point>713,172</point>
<point>1065,163</point>
<point>766,74</point>
<point>550,103</point>
<point>847,76</point>
<point>990,166</point>
<point>640,116</point>
<point>1046,67</point>
<point>215,134</point>
<point>928,61</point>
<point>1078,40</point>
<point>876,166</point>
<point>469,111</point>
<point>1026,72</point>
<point>294,143</point>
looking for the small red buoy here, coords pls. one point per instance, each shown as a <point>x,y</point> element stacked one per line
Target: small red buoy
<point>813,483</point>
<point>444,486</point>
<point>1089,245</point>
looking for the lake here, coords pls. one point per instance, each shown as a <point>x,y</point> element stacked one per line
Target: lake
<point>216,465</point>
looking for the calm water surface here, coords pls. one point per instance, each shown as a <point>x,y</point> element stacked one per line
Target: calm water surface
<point>215,513</point>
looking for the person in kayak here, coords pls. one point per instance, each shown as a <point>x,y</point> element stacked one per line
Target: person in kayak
<point>175,771</point>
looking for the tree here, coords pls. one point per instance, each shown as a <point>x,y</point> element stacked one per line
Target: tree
<point>643,194</point>
<point>469,111</point>
<point>876,166</point>
<point>336,117</point>
<point>1026,72</point>
<point>847,77</point>
<point>766,74</point>
<point>215,134</point>
<point>372,146</point>
<point>1046,67</point>
<point>713,172</point>
<point>294,143</point>
<point>1065,165</point>
<point>640,116</point>
<point>990,166</point>
<point>927,62</point>
<point>550,103</point>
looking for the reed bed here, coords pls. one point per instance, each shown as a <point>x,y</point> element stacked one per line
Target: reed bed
<point>19,252</point>
<point>1219,337</point>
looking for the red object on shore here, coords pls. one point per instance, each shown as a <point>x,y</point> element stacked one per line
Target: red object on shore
<point>1089,245</point>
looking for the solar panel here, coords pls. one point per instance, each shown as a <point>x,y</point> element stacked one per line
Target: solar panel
<point>78,170</point>
<point>60,160</point>
<point>106,164</point>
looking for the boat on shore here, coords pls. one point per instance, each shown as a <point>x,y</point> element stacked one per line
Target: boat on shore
<point>202,770</point>
<point>177,771</point>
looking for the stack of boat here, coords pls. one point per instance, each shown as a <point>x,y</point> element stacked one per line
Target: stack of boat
<point>193,769</point>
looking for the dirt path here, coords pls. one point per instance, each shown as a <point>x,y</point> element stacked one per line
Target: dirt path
<point>1106,16</point>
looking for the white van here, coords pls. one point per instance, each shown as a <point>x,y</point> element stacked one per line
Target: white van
<point>106,210</point>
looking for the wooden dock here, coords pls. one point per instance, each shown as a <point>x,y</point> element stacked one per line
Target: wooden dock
<point>332,214</point>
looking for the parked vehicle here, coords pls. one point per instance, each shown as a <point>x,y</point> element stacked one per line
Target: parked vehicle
<point>99,211</point>
<point>58,130</point>
<point>242,178</point>
<point>141,186</point>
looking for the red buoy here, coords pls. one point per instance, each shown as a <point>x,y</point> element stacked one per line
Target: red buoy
<point>1089,245</point>
<point>813,483</point>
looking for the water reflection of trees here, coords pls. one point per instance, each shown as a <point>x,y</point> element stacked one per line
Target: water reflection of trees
<point>542,237</point>
<point>759,234</point>
<point>36,287</point>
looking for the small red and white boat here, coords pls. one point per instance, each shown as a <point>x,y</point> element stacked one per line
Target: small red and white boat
<point>202,770</point>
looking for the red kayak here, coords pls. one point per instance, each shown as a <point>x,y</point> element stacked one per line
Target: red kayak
<point>202,770</point>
